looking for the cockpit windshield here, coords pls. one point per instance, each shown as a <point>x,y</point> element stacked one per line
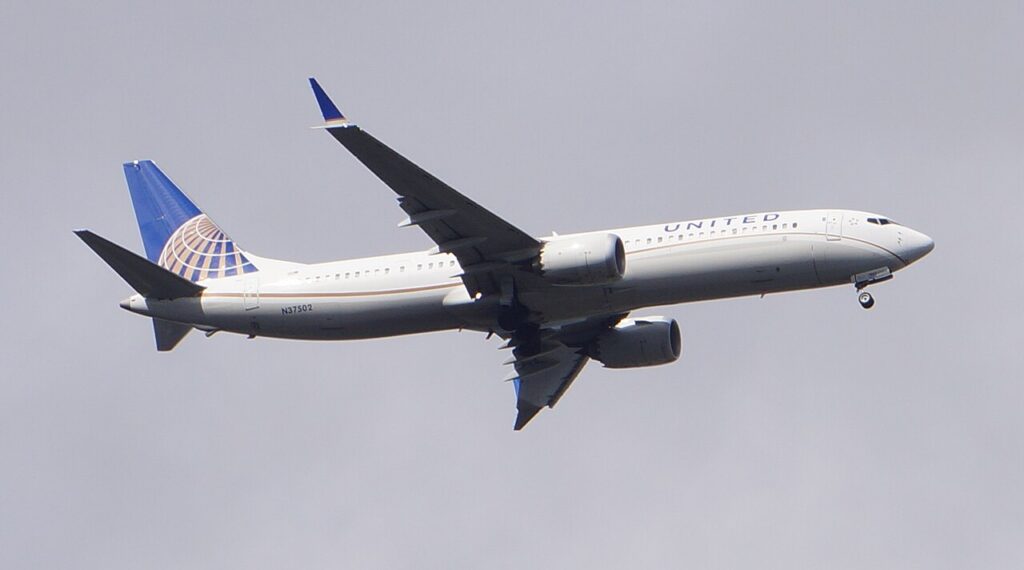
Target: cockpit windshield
<point>881,221</point>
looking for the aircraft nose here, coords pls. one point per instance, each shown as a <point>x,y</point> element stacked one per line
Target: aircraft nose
<point>916,245</point>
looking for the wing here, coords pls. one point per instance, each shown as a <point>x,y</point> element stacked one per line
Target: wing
<point>484,244</point>
<point>548,360</point>
<point>542,382</point>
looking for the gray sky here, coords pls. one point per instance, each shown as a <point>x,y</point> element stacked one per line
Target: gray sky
<point>796,431</point>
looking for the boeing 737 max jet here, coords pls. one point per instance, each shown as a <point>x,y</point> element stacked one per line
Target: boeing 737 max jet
<point>558,301</point>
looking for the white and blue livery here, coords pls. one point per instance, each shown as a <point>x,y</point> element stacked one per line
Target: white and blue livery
<point>558,301</point>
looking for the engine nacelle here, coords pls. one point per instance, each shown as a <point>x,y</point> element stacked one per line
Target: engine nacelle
<point>583,260</point>
<point>638,342</point>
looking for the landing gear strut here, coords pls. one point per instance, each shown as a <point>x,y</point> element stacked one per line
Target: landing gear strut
<point>866,300</point>
<point>862,280</point>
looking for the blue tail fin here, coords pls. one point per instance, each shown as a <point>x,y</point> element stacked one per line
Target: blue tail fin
<point>176,234</point>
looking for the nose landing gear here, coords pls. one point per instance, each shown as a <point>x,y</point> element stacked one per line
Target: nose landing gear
<point>866,300</point>
<point>862,280</point>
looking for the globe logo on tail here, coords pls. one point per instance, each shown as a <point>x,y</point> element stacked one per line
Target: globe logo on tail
<point>200,250</point>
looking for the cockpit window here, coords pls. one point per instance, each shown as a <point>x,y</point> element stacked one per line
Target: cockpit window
<point>881,221</point>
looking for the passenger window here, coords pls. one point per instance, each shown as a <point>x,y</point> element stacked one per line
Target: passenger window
<point>784,226</point>
<point>387,270</point>
<point>659,239</point>
<point>735,231</point>
<point>775,226</point>
<point>648,241</point>
<point>419,267</point>
<point>337,276</point>
<point>347,274</point>
<point>794,225</point>
<point>401,269</point>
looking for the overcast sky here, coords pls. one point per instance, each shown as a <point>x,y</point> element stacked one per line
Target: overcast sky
<point>797,431</point>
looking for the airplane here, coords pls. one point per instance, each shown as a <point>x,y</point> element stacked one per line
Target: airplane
<point>557,301</point>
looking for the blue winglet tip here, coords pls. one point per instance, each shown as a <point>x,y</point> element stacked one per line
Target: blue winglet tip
<point>327,107</point>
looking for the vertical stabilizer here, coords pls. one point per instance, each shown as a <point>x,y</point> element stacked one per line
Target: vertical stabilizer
<point>176,234</point>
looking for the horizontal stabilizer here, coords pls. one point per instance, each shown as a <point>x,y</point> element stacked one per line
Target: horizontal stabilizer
<point>168,334</point>
<point>149,279</point>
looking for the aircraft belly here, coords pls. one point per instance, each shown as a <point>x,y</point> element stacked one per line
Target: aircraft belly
<point>367,317</point>
<point>723,268</point>
<point>837,261</point>
<point>560,303</point>
<point>330,317</point>
<point>691,272</point>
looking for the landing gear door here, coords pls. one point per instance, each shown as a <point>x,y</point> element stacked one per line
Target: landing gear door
<point>834,226</point>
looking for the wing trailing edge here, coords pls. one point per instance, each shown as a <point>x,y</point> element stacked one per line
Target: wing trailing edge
<point>456,224</point>
<point>541,386</point>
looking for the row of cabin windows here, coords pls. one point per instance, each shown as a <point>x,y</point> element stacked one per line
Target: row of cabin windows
<point>379,271</point>
<point>451,263</point>
<point>712,233</point>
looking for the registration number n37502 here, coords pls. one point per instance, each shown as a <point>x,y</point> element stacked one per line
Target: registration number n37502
<point>296,309</point>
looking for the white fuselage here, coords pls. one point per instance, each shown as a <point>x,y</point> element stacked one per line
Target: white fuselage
<point>671,263</point>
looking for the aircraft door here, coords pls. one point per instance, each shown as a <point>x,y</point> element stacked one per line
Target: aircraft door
<point>250,292</point>
<point>834,226</point>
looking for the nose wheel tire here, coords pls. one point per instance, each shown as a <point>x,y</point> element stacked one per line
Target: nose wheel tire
<point>866,300</point>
